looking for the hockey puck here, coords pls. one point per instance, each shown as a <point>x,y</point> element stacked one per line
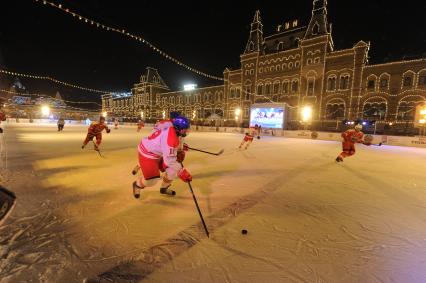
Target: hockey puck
<point>244,231</point>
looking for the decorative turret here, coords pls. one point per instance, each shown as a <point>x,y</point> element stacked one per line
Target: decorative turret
<point>318,23</point>
<point>254,43</point>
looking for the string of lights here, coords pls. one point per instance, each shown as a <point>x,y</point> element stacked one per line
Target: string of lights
<point>48,96</point>
<point>124,32</point>
<point>53,80</point>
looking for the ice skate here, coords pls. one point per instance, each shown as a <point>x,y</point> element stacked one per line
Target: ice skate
<point>167,191</point>
<point>339,159</point>
<point>136,190</point>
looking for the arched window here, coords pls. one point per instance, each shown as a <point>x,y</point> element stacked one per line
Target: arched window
<point>344,82</point>
<point>260,89</point>
<point>285,87</point>
<point>315,29</point>
<point>295,86</point>
<point>331,83</point>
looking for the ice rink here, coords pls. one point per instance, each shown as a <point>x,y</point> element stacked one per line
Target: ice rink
<point>309,219</point>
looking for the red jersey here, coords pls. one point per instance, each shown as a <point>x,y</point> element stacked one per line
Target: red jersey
<point>97,128</point>
<point>352,135</point>
<point>2,116</point>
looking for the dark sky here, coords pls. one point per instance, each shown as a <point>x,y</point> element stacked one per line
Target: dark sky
<point>206,35</point>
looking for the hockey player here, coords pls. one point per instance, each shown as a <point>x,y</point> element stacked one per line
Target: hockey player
<point>2,118</point>
<point>350,137</point>
<point>140,125</point>
<point>61,124</point>
<point>95,130</point>
<point>252,132</point>
<point>158,152</point>
<point>116,124</point>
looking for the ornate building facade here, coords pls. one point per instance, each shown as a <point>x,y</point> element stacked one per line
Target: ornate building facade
<point>297,65</point>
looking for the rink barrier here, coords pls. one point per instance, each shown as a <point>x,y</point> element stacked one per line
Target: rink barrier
<point>416,141</point>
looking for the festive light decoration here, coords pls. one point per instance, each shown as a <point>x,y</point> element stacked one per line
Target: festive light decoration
<point>123,32</point>
<point>48,96</point>
<point>45,110</point>
<point>53,80</point>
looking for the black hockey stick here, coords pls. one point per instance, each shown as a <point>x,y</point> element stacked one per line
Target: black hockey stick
<point>199,211</point>
<point>212,153</point>
<point>198,208</point>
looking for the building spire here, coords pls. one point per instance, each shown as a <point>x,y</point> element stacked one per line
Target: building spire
<point>318,24</point>
<point>255,40</point>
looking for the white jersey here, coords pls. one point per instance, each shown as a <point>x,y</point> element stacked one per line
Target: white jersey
<point>162,144</point>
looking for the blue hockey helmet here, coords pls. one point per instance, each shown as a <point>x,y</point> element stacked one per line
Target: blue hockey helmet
<point>181,123</point>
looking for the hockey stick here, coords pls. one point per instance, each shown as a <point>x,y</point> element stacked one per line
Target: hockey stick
<point>136,168</point>
<point>212,153</point>
<point>198,208</point>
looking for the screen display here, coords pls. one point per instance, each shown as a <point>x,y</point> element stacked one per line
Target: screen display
<point>272,118</point>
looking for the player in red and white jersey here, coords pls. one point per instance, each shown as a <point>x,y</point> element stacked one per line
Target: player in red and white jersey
<point>95,130</point>
<point>141,124</point>
<point>350,137</point>
<point>248,138</point>
<point>159,153</point>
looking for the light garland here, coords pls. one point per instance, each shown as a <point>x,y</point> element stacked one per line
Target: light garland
<point>130,35</point>
<point>53,80</point>
<point>48,96</point>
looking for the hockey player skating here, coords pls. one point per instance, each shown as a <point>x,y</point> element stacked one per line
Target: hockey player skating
<point>61,124</point>
<point>116,123</point>
<point>95,130</point>
<point>350,137</point>
<point>159,152</point>
<point>141,124</point>
<point>2,118</point>
<point>248,138</point>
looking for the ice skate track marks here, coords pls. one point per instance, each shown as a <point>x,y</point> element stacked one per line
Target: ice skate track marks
<point>151,259</point>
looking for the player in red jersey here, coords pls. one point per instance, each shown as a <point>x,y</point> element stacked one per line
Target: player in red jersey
<point>95,130</point>
<point>350,137</point>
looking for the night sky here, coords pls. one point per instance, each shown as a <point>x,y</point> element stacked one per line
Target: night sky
<point>209,36</point>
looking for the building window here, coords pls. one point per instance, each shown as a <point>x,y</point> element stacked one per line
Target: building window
<point>297,64</point>
<point>344,82</point>
<point>383,83</point>
<point>294,86</point>
<point>309,61</point>
<point>371,84</point>
<point>408,81</point>
<point>285,87</point>
<point>247,90</point>
<point>290,65</point>
<point>310,88</point>
<point>276,87</point>
<point>260,70</point>
<point>259,89</point>
<point>284,66</point>
<point>317,60</point>
<point>252,72</point>
<point>422,80</point>
<point>237,93</point>
<point>331,83</point>
<point>268,89</point>
<point>232,93</point>
<point>246,112</point>
<point>278,68</point>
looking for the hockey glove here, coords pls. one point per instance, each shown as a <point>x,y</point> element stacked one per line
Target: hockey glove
<point>180,156</point>
<point>108,131</point>
<point>184,175</point>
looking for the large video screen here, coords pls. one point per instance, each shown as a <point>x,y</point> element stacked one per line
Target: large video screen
<point>272,118</point>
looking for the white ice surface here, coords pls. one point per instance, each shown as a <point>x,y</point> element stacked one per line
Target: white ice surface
<point>308,218</point>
